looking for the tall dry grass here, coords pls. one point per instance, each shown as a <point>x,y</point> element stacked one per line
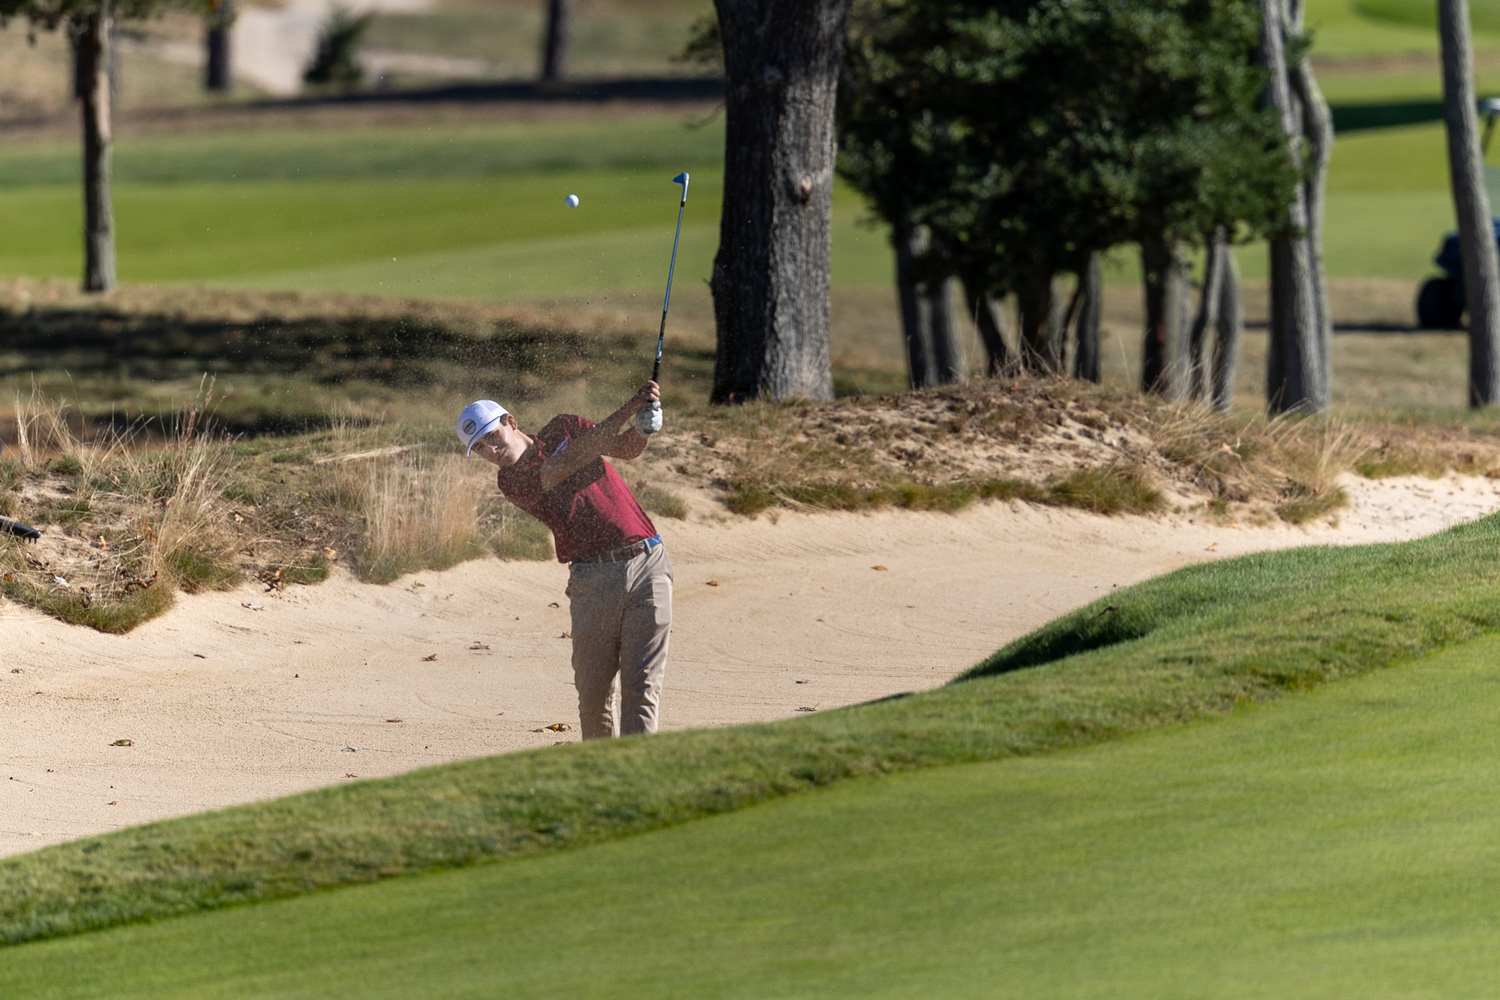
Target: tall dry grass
<point>420,513</point>
<point>127,522</point>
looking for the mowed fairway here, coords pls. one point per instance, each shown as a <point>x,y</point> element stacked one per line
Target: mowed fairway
<point>477,211</point>
<point>1338,844</point>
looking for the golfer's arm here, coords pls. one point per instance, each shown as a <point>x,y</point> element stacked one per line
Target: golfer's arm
<point>593,443</point>
<point>628,445</point>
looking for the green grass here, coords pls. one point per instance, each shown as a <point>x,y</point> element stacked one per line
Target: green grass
<point>1202,641</point>
<point>505,234</point>
<point>1339,845</point>
<point>627,141</point>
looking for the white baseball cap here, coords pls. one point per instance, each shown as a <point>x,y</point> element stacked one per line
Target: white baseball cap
<point>478,419</point>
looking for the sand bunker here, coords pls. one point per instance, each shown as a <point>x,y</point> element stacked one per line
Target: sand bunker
<point>247,695</point>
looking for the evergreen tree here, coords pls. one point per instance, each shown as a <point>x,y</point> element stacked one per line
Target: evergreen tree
<point>1029,135</point>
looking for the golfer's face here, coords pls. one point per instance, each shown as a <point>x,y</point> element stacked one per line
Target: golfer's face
<point>493,448</point>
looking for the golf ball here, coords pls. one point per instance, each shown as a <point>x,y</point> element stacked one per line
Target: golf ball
<point>572,201</point>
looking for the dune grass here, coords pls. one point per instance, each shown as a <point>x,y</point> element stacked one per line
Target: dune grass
<point>1336,846</point>
<point>1197,642</point>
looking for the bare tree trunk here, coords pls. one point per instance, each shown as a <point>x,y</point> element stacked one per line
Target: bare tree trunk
<point>1317,126</point>
<point>921,361</point>
<point>1163,356</point>
<point>770,280</point>
<point>217,75</point>
<point>1086,327</point>
<point>991,332</point>
<point>99,223</point>
<point>947,353</point>
<point>1231,329</point>
<point>1208,315</point>
<point>1296,363</point>
<point>555,40</point>
<point>1035,302</point>
<point>1471,203</point>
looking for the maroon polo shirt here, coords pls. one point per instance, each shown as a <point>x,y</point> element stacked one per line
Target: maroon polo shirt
<point>590,512</point>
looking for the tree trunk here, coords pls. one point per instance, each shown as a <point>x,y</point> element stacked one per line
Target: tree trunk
<point>921,361</point>
<point>1037,308</point>
<point>555,40</point>
<point>1163,356</point>
<point>220,20</point>
<point>1231,324</point>
<point>1317,126</point>
<point>1208,316</point>
<point>1471,203</point>
<point>770,280</point>
<point>946,351</point>
<point>98,215</point>
<point>1296,363</point>
<point>987,321</point>
<point>1086,327</point>
<point>932,350</point>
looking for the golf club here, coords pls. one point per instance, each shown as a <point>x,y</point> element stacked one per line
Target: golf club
<point>682,179</point>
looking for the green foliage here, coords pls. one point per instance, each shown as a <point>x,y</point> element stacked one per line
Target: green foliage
<point>1028,134</point>
<point>49,14</point>
<point>705,45</point>
<point>197,569</point>
<point>660,500</point>
<point>335,62</point>
<point>1200,641</point>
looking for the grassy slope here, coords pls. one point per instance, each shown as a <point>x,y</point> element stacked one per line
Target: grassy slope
<point>1340,845</point>
<point>1199,641</point>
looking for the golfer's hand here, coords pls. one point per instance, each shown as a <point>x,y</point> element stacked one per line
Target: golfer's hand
<point>644,397</point>
<point>648,421</point>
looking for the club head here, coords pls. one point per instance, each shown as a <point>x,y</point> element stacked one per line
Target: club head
<point>682,179</point>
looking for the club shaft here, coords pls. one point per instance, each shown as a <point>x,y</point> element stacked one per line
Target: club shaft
<point>667,301</point>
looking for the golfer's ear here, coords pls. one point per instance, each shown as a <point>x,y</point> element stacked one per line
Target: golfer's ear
<point>510,418</point>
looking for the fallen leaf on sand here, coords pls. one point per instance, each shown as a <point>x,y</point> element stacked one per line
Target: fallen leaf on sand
<point>479,645</point>
<point>350,774</point>
<point>560,727</point>
<point>392,720</point>
<point>713,583</point>
<point>252,607</point>
<point>566,635</point>
<point>115,802</point>
<point>881,569</point>
<point>15,670</point>
<point>554,604</point>
<point>349,750</point>
<point>429,659</point>
<point>123,743</point>
<point>1214,547</point>
<point>804,708</point>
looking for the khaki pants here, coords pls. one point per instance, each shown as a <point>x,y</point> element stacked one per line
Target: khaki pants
<point>622,618</point>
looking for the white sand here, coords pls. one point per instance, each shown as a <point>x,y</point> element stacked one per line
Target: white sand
<point>226,705</point>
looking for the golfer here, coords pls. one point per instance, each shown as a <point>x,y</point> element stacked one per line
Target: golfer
<point>620,579</point>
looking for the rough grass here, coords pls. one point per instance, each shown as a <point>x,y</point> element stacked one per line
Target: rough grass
<point>1199,641</point>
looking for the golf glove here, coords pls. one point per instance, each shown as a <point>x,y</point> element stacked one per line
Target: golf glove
<point>648,421</point>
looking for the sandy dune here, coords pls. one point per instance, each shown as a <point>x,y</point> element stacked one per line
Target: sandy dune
<point>226,704</point>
